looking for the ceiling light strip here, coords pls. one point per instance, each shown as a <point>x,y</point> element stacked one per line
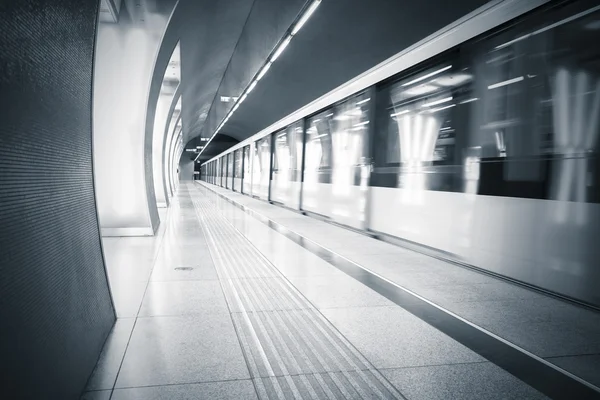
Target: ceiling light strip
<point>309,11</point>
<point>422,78</point>
<point>281,48</point>
<point>306,16</point>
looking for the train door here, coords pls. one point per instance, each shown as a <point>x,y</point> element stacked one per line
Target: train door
<point>287,158</point>
<point>237,170</point>
<point>247,171</point>
<point>221,171</point>
<point>226,171</point>
<point>230,171</point>
<point>351,166</point>
<point>261,168</point>
<point>337,164</point>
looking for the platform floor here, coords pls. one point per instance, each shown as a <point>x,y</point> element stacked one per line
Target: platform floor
<point>219,305</point>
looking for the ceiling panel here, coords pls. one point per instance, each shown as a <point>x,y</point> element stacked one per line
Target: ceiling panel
<point>342,39</point>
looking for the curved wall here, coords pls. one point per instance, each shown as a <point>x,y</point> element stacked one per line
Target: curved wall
<point>126,53</point>
<point>55,307</point>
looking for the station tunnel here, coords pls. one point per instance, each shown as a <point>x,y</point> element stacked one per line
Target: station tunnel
<point>299,199</point>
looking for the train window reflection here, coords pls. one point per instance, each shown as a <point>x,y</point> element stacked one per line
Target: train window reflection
<point>415,146</point>
<point>247,171</point>
<point>319,148</point>
<point>262,163</point>
<point>516,114</point>
<point>287,160</point>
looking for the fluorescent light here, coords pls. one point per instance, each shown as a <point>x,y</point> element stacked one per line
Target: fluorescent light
<point>252,85</point>
<point>504,83</point>
<point>361,123</point>
<point>235,108</point>
<point>433,103</point>
<point>281,48</point>
<point>242,98</point>
<point>421,90</point>
<point>329,115</point>
<point>399,113</point>
<point>319,136</point>
<point>442,108</point>
<point>306,16</point>
<point>343,117</point>
<point>363,101</point>
<point>429,75</point>
<point>263,71</point>
<point>469,100</point>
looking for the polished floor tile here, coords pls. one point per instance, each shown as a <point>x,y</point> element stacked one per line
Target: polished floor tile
<point>493,291</point>
<point>182,349</point>
<point>460,381</point>
<point>127,296</point>
<point>338,291</point>
<point>543,325</point>
<point>105,373</point>
<point>303,265</point>
<point>183,298</point>
<point>391,337</point>
<point>230,390</point>
<point>184,269</point>
<point>96,395</point>
<point>185,345</point>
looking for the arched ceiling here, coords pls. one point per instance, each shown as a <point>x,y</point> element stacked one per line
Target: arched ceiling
<point>225,43</point>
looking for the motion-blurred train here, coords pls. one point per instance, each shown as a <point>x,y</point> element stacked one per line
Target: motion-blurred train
<point>481,141</point>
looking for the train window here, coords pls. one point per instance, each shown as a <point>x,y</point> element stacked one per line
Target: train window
<point>536,121</point>
<point>262,166</point>
<point>247,172</point>
<point>418,125</point>
<point>349,140</point>
<point>238,164</point>
<point>515,114</point>
<point>288,151</point>
<point>287,159</point>
<point>317,165</point>
<point>256,165</point>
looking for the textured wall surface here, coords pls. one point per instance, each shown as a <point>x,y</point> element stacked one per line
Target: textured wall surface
<point>55,306</point>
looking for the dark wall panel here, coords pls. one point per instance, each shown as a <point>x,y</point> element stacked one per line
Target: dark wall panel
<point>55,306</point>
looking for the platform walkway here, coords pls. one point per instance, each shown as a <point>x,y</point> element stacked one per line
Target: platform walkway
<point>222,305</point>
<point>559,332</point>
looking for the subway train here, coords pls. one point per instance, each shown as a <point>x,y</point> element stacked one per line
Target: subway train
<point>480,141</point>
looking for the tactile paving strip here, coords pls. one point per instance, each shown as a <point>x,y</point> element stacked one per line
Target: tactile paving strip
<point>292,351</point>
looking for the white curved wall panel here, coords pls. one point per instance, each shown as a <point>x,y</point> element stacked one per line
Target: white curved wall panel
<point>160,122</point>
<point>124,61</point>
